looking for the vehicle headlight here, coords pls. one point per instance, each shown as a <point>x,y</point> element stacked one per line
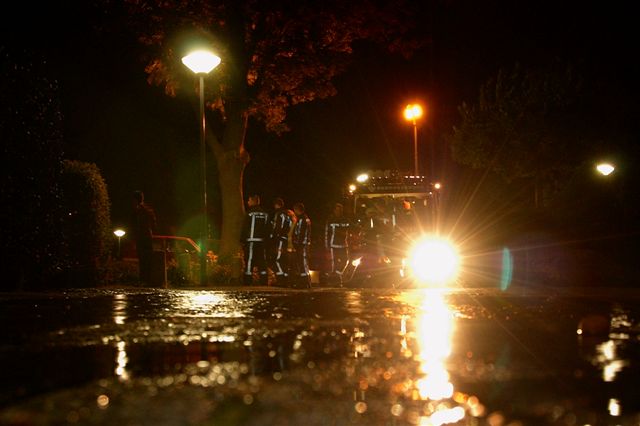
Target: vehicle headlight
<point>434,260</point>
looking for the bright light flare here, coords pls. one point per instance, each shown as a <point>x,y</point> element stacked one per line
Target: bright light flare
<point>362,178</point>
<point>605,169</point>
<point>119,233</point>
<point>434,261</point>
<point>412,112</point>
<point>201,61</point>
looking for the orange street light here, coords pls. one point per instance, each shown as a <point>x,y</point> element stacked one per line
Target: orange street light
<point>413,112</point>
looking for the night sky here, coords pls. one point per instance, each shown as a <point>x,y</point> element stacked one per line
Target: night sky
<point>143,139</point>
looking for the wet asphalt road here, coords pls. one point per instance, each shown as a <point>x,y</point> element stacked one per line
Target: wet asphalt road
<point>264,356</point>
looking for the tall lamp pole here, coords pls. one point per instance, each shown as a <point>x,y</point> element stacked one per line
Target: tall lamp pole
<point>413,112</point>
<point>202,62</point>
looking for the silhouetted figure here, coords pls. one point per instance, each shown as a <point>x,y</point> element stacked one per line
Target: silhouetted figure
<point>142,228</point>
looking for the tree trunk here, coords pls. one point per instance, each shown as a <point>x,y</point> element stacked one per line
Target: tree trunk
<point>231,166</point>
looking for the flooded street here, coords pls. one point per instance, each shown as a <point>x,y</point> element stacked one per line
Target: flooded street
<point>265,356</point>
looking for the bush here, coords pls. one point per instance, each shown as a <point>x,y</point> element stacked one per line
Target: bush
<point>87,224</point>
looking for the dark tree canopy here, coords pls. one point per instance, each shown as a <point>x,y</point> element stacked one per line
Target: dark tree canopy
<point>528,124</point>
<point>274,54</point>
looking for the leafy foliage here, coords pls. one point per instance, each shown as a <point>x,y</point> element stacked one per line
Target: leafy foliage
<point>526,124</point>
<point>31,247</point>
<point>274,54</point>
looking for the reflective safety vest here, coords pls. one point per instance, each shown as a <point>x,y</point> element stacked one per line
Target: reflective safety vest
<point>302,230</point>
<point>256,225</point>
<point>336,232</point>
<point>281,223</point>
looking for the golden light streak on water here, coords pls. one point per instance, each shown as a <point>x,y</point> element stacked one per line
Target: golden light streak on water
<point>614,408</point>
<point>119,308</point>
<point>121,362</point>
<point>430,334</point>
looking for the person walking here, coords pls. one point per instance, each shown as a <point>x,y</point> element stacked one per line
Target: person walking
<point>336,242</point>
<point>143,224</point>
<point>255,232</point>
<point>282,223</point>
<point>301,240</point>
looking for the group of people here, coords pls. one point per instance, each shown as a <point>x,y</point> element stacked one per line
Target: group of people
<point>278,241</point>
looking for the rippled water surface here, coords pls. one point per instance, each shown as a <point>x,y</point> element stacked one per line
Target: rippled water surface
<point>286,357</point>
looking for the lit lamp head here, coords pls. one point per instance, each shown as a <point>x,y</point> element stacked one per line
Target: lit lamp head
<point>201,61</point>
<point>605,169</point>
<point>119,233</point>
<point>412,112</point>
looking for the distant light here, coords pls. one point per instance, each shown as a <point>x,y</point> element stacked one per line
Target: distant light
<point>119,233</point>
<point>605,169</point>
<point>412,112</point>
<point>352,188</point>
<point>437,185</point>
<point>362,178</point>
<point>201,61</point>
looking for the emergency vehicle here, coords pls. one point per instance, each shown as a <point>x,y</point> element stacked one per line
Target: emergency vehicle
<point>394,236</point>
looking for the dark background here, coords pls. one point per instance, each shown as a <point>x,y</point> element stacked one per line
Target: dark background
<point>142,139</point>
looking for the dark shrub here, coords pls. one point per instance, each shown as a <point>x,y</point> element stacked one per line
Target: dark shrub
<point>86,222</point>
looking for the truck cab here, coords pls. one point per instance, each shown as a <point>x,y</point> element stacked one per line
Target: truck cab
<point>393,213</point>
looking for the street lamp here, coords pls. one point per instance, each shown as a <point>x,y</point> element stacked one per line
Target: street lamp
<point>413,112</point>
<point>202,62</point>
<point>119,233</point>
<point>605,169</point>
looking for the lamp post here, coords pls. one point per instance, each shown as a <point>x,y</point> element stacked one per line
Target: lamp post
<point>202,62</point>
<point>119,233</point>
<point>411,113</point>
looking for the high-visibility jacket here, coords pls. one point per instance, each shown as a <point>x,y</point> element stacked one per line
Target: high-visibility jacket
<point>256,225</point>
<point>302,230</point>
<point>281,223</point>
<point>336,232</point>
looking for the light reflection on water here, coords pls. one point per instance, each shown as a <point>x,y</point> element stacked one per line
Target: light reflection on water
<point>210,304</point>
<point>429,333</point>
<point>121,361</point>
<point>119,308</point>
<point>607,350</point>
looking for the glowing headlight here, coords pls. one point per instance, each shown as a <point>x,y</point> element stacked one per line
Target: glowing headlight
<point>434,261</point>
